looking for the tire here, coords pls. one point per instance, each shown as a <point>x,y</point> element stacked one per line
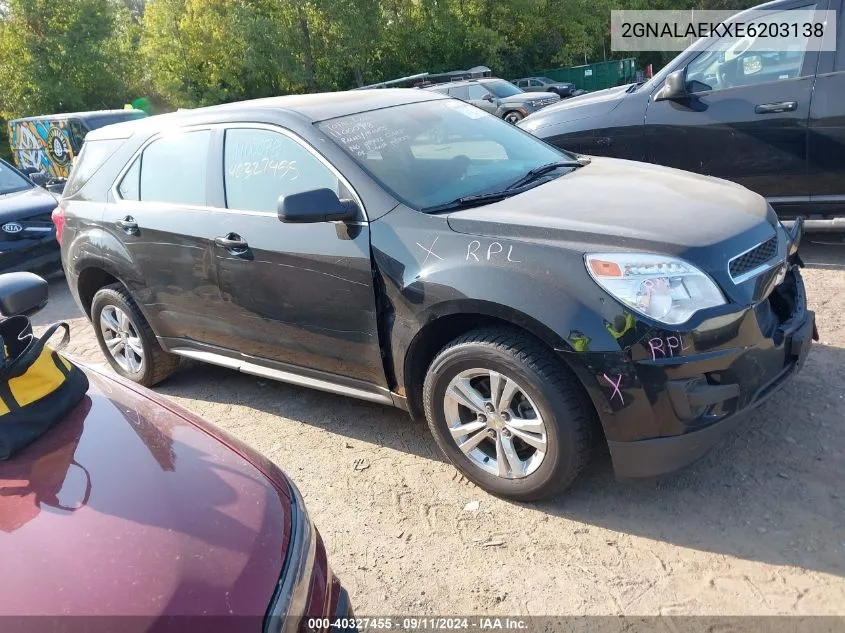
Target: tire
<point>546,385</point>
<point>513,117</point>
<point>153,364</point>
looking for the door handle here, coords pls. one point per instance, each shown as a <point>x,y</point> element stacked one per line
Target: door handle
<point>232,242</point>
<point>771,108</point>
<point>128,224</point>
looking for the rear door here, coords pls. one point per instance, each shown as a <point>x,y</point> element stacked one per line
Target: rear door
<point>300,294</point>
<point>746,117</point>
<point>162,220</point>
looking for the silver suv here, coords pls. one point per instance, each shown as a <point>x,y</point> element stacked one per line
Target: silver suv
<point>498,97</point>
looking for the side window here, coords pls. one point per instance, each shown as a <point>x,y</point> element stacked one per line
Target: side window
<point>535,84</point>
<point>736,66</point>
<point>459,92</point>
<point>477,92</point>
<point>173,169</point>
<point>522,83</point>
<point>130,185</point>
<point>259,166</point>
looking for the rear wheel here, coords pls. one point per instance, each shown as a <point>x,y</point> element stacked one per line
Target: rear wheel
<point>126,338</point>
<point>508,414</point>
<point>513,117</point>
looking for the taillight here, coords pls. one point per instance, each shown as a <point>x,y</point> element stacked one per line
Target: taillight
<point>58,217</point>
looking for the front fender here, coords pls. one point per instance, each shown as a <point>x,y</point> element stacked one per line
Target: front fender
<point>427,272</point>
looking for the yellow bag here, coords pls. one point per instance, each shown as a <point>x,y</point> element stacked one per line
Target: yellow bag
<point>38,386</point>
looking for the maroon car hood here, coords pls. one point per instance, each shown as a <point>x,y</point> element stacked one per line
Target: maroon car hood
<point>133,506</point>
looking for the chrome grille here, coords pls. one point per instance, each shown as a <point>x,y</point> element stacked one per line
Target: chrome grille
<point>753,259</point>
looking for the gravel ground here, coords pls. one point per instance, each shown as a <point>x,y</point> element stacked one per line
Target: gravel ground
<point>756,527</point>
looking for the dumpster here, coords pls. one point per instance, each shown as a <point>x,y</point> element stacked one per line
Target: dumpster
<point>596,76</point>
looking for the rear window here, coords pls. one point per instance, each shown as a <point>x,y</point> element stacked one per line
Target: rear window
<point>92,156</point>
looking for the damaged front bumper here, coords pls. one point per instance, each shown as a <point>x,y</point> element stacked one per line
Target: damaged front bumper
<point>668,400</point>
<point>707,412</point>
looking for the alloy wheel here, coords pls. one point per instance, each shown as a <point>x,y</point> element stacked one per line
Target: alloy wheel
<point>121,339</point>
<point>495,423</point>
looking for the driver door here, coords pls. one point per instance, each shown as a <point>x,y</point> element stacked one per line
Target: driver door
<point>482,98</point>
<point>745,116</point>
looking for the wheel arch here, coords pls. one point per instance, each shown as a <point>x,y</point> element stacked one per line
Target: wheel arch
<point>447,323</point>
<point>93,278</point>
<point>89,282</point>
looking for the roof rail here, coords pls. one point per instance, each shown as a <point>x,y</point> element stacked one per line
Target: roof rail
<point>393,82</point>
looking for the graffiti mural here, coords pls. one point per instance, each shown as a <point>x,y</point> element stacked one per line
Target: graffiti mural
<point>45,145</point>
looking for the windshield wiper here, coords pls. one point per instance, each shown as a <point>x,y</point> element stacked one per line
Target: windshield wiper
<point>535,173</point>
<point>511,190</point>
<point>465,202</point>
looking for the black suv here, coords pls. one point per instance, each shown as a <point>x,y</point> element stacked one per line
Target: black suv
<point>770,121</point>
<point>514,294</point>
<point>498,97</point>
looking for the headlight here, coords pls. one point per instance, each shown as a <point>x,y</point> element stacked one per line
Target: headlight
<point>532,104</point>
<point>663,288</point>
<point>291,595</point>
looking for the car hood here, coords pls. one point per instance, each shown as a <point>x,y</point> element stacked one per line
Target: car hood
<point>23,204</point>
<point>529,96</point>
<point>132,506</point>
<point>620,204</point>
<point>580,107</point>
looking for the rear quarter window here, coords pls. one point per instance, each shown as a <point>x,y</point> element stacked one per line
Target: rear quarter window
<point>92,156</point>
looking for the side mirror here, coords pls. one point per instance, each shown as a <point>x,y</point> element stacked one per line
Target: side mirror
<point>316,205</point>
<point>39,178</point>
<point>56,185</point>
<point>675,86</point>
<point>488,97</point>
<point>22,293</point>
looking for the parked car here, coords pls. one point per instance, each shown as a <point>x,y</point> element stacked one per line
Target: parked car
<point>768,121</point>
<point>543,84</point>
<point>44,147</point>
<point>130,489</point>
<point>497,96</point>
<point>510,292</point>
<point>27,234</point>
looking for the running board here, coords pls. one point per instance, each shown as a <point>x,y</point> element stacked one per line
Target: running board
<point>283,376</point>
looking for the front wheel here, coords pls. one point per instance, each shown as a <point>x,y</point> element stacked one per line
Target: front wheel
<point>508,414</point>
<point>513,117</point>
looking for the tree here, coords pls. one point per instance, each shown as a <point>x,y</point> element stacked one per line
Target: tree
<point>63,56</point>
<point>202,52</point>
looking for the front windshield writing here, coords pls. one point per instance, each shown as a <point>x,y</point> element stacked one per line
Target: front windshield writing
<point>432,152</point>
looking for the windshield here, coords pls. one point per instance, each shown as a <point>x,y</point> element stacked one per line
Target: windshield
<point>432,152</point>
<point>502,88</point>
<point>11,181</point>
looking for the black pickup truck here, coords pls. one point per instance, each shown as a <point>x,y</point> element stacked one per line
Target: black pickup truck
<point>773,122</point>
<point>410,249</point>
